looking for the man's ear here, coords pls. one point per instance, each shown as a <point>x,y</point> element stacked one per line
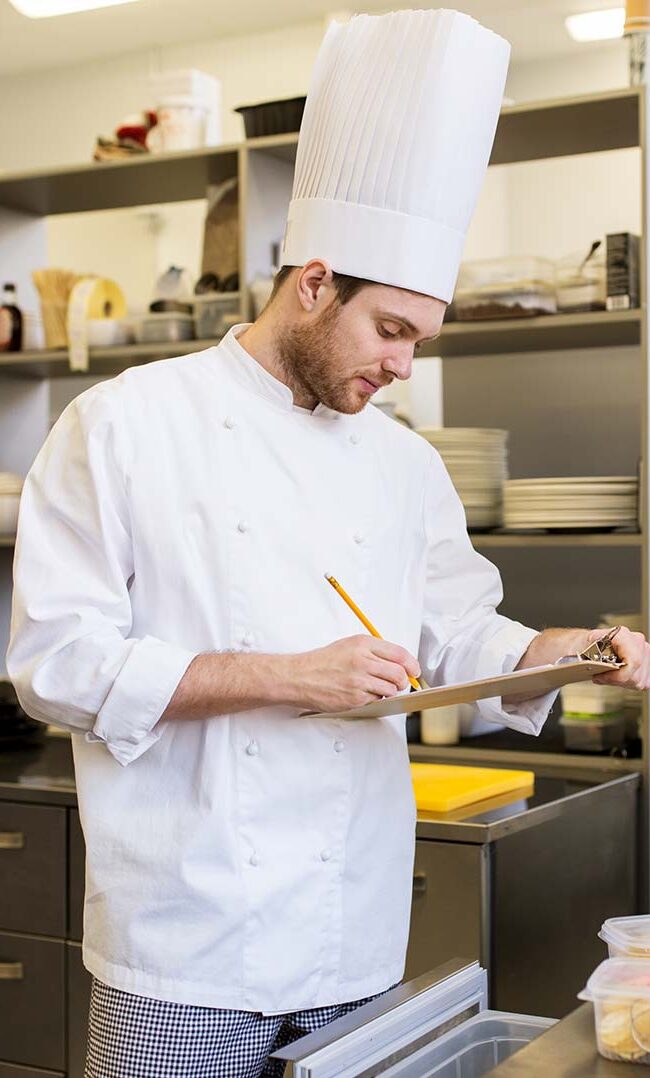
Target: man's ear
<point>314,276</point>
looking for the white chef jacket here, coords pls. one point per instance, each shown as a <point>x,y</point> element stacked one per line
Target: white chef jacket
<point>260,860</point>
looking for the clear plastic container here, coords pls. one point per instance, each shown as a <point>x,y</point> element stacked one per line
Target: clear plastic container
<point>505,288</point>
<point>620,992</point>
<point>163,328</point>
<point>593,734</point>
<point>627,936</point>
<point>210,310</point>
<point>581,286</point>
<point>440,725</point>
<point>584,700</point>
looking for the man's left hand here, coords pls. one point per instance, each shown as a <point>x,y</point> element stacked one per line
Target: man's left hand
<point>634,650</point>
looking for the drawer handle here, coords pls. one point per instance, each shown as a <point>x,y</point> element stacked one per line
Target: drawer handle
<point>12,840</point>
<point>11,971</point>
<point>419,883</point>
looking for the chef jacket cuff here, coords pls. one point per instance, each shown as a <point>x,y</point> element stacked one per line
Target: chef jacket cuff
<point>142,690</point>
<point>502,652</point>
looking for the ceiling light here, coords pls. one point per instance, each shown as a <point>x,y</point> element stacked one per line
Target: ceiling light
<point>596,25</point>
<point>44,9</point>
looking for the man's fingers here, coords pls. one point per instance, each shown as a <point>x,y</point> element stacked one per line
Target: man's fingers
<point>392,672</point>
<point>380,688</point>
<point>396,654</point>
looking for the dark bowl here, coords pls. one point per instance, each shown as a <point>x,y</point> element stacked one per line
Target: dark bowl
<point>273,117</point>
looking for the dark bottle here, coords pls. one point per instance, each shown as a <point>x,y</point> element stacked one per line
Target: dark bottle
<point>11,321</point>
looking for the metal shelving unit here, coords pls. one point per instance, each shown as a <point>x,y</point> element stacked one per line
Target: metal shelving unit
<point>264,167</point>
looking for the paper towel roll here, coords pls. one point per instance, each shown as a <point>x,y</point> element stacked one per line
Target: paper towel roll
<point>92,297</point>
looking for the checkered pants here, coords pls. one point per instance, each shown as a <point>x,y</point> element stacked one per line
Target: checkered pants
<point>134,1037</point>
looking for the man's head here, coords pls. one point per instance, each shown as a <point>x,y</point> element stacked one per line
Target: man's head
<point>340,338</point>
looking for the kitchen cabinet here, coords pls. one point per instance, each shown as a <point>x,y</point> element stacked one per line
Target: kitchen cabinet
<point>44,988</point>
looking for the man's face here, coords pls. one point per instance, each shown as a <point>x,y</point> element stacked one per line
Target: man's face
<point>341,354</point>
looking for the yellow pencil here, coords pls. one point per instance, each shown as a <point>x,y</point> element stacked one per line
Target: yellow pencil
<point>361,616</point>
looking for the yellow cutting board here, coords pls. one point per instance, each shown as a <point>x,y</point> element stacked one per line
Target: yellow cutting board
<point>445,787</point>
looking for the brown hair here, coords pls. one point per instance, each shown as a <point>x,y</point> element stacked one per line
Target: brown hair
<point>346,287</point>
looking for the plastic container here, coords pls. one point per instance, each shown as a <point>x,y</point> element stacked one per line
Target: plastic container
<point>273,117</point>
<point>627,936</point>
<point>620,992</point>
<point>586,700</point>
<point>9,513</point>
<point>505,288</point>
<point>108,332</point>
<point>474,1048</point>
<point>593,734</point>
<point>440,725</point>
<point>581,287</point>
<point>163,328</point>
<point>210,310</point>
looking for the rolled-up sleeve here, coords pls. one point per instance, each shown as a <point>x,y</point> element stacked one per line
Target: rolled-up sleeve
<point>71,657</point>
<point>463,637</point>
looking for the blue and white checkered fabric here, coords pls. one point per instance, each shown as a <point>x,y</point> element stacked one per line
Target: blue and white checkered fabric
<point>134,1037</point>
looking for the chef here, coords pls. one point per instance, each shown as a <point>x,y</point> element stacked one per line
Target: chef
<point>249,869</point>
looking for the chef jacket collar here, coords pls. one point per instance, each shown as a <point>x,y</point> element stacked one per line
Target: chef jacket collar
<point>253,375</point>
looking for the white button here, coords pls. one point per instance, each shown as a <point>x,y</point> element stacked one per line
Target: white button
<point>325,855</point>
<point>339,746</point>
<point>229,422</point>
<point>242,526</point>
<point>248,640</point>
<point>355,439</point>
<point>358,537</point>
<point>254,860</point>
<point>252,749</point>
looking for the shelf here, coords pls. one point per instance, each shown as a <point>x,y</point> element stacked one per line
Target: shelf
<point>487,540</point>
<point>600,329</point>
<point>102,361</point>
<point>566,126</point>
<point>551,332</point>
<point>7,540</point>
<point>574,764</point>
<point>527,132</point>
<point>107,185</point>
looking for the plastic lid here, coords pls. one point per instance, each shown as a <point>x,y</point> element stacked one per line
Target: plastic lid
<point>628,933</point>
<point>618,979</point>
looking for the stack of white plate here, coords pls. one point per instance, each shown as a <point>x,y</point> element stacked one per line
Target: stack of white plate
<point>10,490</point>
<point>477,461</point>
<point>575,502</point>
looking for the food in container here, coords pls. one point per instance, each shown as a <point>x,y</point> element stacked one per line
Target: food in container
<point>163,328</point>
<point>602,734</point>
<point>620,992</point>
<point>581,282</point>
<point>518,287</point>
<point>627,936</point>
<point>210,310</point>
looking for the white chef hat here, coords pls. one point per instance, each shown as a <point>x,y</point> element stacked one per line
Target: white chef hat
<point>395,141</point>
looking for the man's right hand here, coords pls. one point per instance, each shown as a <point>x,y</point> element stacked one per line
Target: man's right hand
<point>348,673</point>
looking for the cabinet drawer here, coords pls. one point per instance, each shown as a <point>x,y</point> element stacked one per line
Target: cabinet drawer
<point>7,1070</point>
<point>76,876</point>
<point>32,1001</point>
<point>32,869</point>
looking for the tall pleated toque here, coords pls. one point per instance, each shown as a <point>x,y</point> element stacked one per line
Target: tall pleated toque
<point>394,145</point>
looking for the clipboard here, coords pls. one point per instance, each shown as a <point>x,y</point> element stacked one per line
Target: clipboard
<point>533,681</point>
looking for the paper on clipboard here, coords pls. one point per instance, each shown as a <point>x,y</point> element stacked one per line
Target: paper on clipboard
<point>534,681</point>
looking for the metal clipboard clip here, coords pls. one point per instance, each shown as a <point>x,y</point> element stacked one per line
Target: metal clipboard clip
<point>600,650</point>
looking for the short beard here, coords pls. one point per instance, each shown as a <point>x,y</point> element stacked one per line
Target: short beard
<point>310,355</point>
